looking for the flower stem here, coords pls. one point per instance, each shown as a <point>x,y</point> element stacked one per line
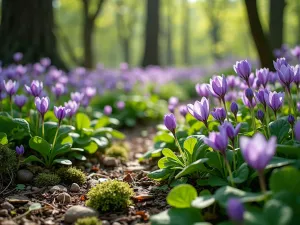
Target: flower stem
<point>11,107</point>
<point>290,100</point>
<point>253,119</point>
<point>262,182</point>
<point>180,149</point>
<point>229,171</point>
<point>224,103</point>
<point>54,140</point>
<point>267,121</point>
<point>43,127</point>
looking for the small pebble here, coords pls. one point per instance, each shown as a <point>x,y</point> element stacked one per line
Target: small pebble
<point>75,188</point>
<point>28,188</point>
<point>58,188</point>
<point>110,162</point>
<point>35,189</point>
<point>78,211</point>
<point>24,176</point>
<point>8,222</point>
<point>92,183</point>
<point>64,198</point>
<point>116,223</point>
<point>7,205</point>
<point>3,212</point>
<point>105,222</point>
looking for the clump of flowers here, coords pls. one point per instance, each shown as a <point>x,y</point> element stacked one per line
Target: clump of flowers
<point>71,175</point>
<point>112,196</point>
<point>46,179</point>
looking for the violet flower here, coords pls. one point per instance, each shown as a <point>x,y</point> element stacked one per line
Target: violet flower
<point>218,141</point>
<point>18,56</point>
<point>183,110</point>
<point>20,101</point>
<point>61,112</point>
<point>107,110</point>
<point>235,210</point>
<point>296,52</point>
<point>291,120</point>
<point>42,105</point>
<point>275,101</point>
<point>263,76</point>
<point>260,115</point>
<point>58,90</point>
<point>231,131</point>
<point>35,88</point>
<point>280,62</point>
<point>120,105</point>
<point>200,110</point>
<point>297,131</point>
<point>11,87</point>
<point>173,101</point>
<point>77,96</point>
<point>243,70</point>
<point>286,76</point>
<point>218,86</point>
<point>73,107</point>
<point>297,75</point>
<point>170,122</point>
<point>202,90</point>
<point>20,150</point>
<point>250,104</point>
<point>219,114</point>
<point>171,108</point>
<point>234,108</point>
<point>263,97</point>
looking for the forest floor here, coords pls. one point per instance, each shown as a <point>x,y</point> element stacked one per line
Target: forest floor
<point>149,198</point>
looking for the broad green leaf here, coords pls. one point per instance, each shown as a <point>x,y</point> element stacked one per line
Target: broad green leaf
<point>91,148</point>
<point>160,174</point>
<point>35,206</point>
<point>82,121</point>
<point>32,158</point>
<point>40,145</point>
<point>117,134</point>
<point>189,144</point>
<point>102,142</point>
<point>182,196</point>
<point>187,216</point>
<point>61,150</point>
<point>176,182</point>
<point>279,128</point>
<point>240,175</point>
<point>63,161</point>
<point>285,179</point>
<point>279,162</point>
<point>77,156</point>
<point>169,153</point>
<point>277,213</point>
<point>292,151</point>
<point>213,181</point>
<point>3,139</point>
<point>204,201</point>
<point>102,122</point>
<point>194,167</point>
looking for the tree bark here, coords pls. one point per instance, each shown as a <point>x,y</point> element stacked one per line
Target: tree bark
<point>170,57</point>
<point>151,53</point>
<point>276,12</point>
<point>186,32</point>
<point>261,42</point>
<point>28,27</point>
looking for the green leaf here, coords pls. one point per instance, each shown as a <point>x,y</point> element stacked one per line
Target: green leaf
<point>102,142</point>
<point>285,179</point>
<point>189,144</point>
<point>204,201</point>
<point>292,151</point>
<point>181,196</point>
<point>213,181</point>
<point>169,153</point>
<point>194,167</point>
<point>102,122</point>
<point>117,134</point>
<point>187,216</point>
<point>240,175</point>
<point>213,160</point>
<point>160,174</point>
<point>182,180</point>
<point>277,213</point>
<point>3,139</point>
<point>32,158</point>
<point>82,121</point>
<point>63,161</point>
<point>91,148</point>
<point>279,128</point>
<point>77,156</point>
<point>223,194</point>
<point>20,187</point>
<point>40,145</point>
<point>279,162</point>
<point>35,206</point>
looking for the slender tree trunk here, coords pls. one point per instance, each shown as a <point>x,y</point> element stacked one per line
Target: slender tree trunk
<point>126,50</point>
<point>261,42</point>
<point>28,27</point>
<point>186,32</point>
<point>88,60</point>
<point>151,53</point>
<point>215,27</point>
<point>276,13</point>
<point>170,57</point>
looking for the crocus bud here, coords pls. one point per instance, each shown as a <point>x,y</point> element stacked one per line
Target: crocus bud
<point>35,88</point>
<point>234,108</point>
<point>218,86</point>
<point>202,90</point>
<point>263,76</point>
<point>77,97</point>
<point>291,119</point>
<point>297,131</point>
<point>61,112</point>
<point>20,150</point>
<point>243,69</point>
<point>260,115</point>
<point>120,105</point>
<point>58,90</point>
<point>219,114</point>
<point>171,108</point>
<point>42,104</point>
<point>183,110</point>
<point>107,110</point>
<point>173,101</point>
<point>279,62</point>
<point>235,210</point>
<point>249,94</point>
<point>200,110</point>
<point>217,141</point>
<point>11,87</point>
<point>20,100</point>
<point>18,56</point>
<point>73,107</point>
<point>170,122</point>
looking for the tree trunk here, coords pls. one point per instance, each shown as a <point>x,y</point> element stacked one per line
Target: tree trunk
<point>215,27</point>
<point>126,50</point>
<point>276,13</point>
<point>151,53</point>
<point>88,60</point>
<point>28,27</point>
<point>262,45</point>
<point>186,32</point>
<point>170,58</point>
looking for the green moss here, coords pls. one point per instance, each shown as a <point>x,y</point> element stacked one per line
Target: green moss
<point>71,175</point>
<point>118,151</point>
<point>88,221</point>
<point>46,179</point>
<point>8,163</point>
<point>110,196</point>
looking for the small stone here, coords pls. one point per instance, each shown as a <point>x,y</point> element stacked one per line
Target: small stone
<point>92,183</point>
<point>105,222</point>
<point>17,199</point>
<point>110,162</point>
<point>8,222</point>
<point>58,188</point>
<point>3,212</point>
<point>116,223</point>
<point>28,188</point>
<point>78,211</point>
<point>64,198</point>
<point>35,189</point>
<point>24,176</point>
<point>75,188</point>
<point>101,180</point>
<point>7,205</point>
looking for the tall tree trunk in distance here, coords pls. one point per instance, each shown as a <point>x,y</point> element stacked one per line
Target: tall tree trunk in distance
<point>276,12</point>
<point>88,30</point>
<point>186,32</point>
<point>28,27</point>
<point>215,27</point>
<point>261,42</point>
<point>151,53</point>
<point>170,56</point>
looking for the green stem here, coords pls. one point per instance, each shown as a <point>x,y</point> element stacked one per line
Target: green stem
<point>262,182</point>
<point>43,127</point>
<point>253,119</point>
<point>11,107</point>
<point>224,103</point>
<point>234,159</point>
<point>229,171</point>
<point>267,121</point>
<point>180,149</point>
<point>54,140</point>
<point>291,103</point>
<point>37,122</point>
<point>220,161</point>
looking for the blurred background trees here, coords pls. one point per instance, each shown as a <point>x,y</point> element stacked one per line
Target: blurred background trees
<point>147,32</point>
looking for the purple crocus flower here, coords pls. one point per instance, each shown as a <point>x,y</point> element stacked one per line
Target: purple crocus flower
<point>35,88</point>
<point>20,100</point>
<point>18,56</point>
<point>249,94</point>
<point>260,115</point>
<point>249,103</point>
<point>200,110</point>
<point>273,77</point>
<point>61,112</point>
<point>58,90</point>
<point>45,62</point>
<point>171,108</point>
<point>233,81</point>
<point>286,76</point>
<point>218,86</point>
<point>73,107</point>
<point>90,92</point>
<point>173,101</point>
<point>11,87</point>
<point>263,97</point>
<point>257,151</point>
<point>298,106</point>
<point>217,141</point>
<point>219,114</point>
<point>297,75</point>
<point>275,101</point>
<point>234,108</point>
<point>243,70</point>
<point>120,105</point>
<point>235,210</point>
<point>20,150</point>
<point>263,76</point>
<point>230,130</point>
<point>42,104</point>
<point>107,110</point>
<point>183,110</point>
<point>296,52</point>
<point>77,96</point>
<point>170,122</point>
<point>280,62</point>
<point>202,90</point>
<point>297,131</point>
<point>291,119</point>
